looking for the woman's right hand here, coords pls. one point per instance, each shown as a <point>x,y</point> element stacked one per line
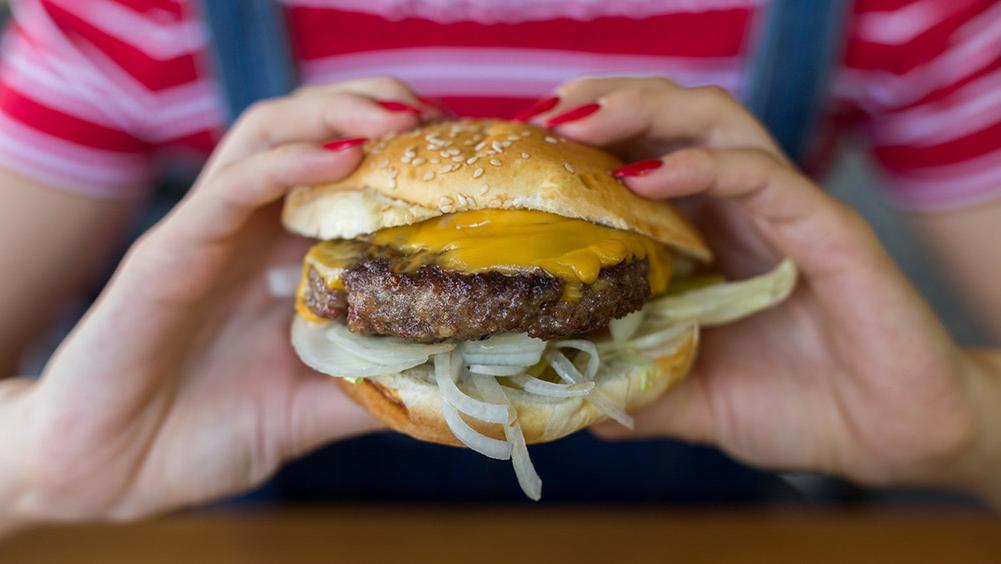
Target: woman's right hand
<point>180,385</point>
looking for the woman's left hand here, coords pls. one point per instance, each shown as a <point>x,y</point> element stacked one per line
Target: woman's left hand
<point>853,374</point>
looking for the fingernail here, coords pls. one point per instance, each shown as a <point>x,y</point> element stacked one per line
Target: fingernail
<point>539,107</point>
<point>573,115</point>
<point>641,168</point>
<point>342,144</point>
<point>395,106</point>
<point>438,104</point>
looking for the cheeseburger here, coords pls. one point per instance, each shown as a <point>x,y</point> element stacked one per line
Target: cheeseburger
<point>489,284</point>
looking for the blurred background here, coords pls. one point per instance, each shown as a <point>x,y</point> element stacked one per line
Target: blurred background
<point>388,470</point>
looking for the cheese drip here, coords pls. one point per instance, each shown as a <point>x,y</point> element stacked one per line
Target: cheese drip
<point>518,241</point>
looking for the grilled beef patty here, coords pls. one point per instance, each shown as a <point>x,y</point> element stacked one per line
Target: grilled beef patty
<point>386,295</point>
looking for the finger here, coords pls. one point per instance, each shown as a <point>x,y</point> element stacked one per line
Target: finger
<point>657,110</point>
<point>682,413</point>
<point>321,413</point>
<point>388,91</point>
<point>375,87</point>
<point>802,222</point>
<point>306,119</point>
<point>219,207</point>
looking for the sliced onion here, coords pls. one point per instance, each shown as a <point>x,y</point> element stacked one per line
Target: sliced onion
<point>663,337</point>
<point>722,303</point>
<point>528,478</point>
<point>504,343</point>
<point>384,350</point>
<point>593,361</point>
<point>501,450</point>
<point>445,374</point>
<point>623,328</point>
<point>541,387</point>
<point>510,349</point>
<point>569,373</point>
<point>495,369</point>
<point>524,360</point>
<point>319,353</point>
<point>283,280</point>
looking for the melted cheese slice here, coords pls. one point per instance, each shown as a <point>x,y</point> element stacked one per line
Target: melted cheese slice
<point>510,242</point>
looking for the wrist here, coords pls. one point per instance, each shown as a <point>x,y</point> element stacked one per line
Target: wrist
<point>15,396</point>
<point>977,470</point>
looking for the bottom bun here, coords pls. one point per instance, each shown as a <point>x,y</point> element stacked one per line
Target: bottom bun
<point>409,402</point>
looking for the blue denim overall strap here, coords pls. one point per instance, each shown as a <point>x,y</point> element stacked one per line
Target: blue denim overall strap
<point>250,50</point>
<point>795,45</point>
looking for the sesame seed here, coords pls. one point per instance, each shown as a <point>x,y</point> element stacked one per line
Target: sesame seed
<point>550,139</point>
<point>446,204</point>
<point>428,175</point>
<point>497,146</point>
<point>479,146</point>
<point>568,167</point>
<point>525,156</point>
<point>472,160</point>
<point>496,202</point>
<point>495,162</point>
<point>484,189</point>
<point>526,133</point>
<point>453,152</point>
<point>444,154</point>
<point>405,159</point>
<point>505,144</point>
<point>434,160</point>
<point>513,138</point>
<point>478,172</point>
<point>411,152</point>
<point>419,161</point>
<point>457,159</point>
<point>444,169</point>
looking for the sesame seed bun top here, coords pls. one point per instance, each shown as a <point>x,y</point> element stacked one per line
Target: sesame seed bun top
<point>476,164</point>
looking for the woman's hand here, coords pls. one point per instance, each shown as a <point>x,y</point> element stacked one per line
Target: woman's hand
<point>180,385</point>
<point>853,375</point>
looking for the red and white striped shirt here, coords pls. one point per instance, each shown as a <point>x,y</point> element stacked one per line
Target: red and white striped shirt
<point>94,92</point>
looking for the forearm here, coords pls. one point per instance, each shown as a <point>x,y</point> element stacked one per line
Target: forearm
<point>14,420</point>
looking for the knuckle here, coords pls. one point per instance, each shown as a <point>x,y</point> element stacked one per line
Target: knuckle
<point>376,86</point>
<point>627,97</point>
<point>259,114</point>
<point>661,82</point>
<point>716,94</point>
<point>567,89</point>
<point>696,158</point>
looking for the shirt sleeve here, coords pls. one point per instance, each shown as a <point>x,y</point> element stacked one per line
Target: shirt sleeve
<point>65,119</point>
<point>926,77</point>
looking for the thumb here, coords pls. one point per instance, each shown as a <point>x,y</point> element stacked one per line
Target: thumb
<point>683,412</point>
<point>321,413</point>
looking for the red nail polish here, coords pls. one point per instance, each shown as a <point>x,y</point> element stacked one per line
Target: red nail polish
<point>573,115</point>
<point>395,106</point>
<point>641,168</point>
<point>438,104</point>
<point>539,107</point>
<point>342,144</point>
